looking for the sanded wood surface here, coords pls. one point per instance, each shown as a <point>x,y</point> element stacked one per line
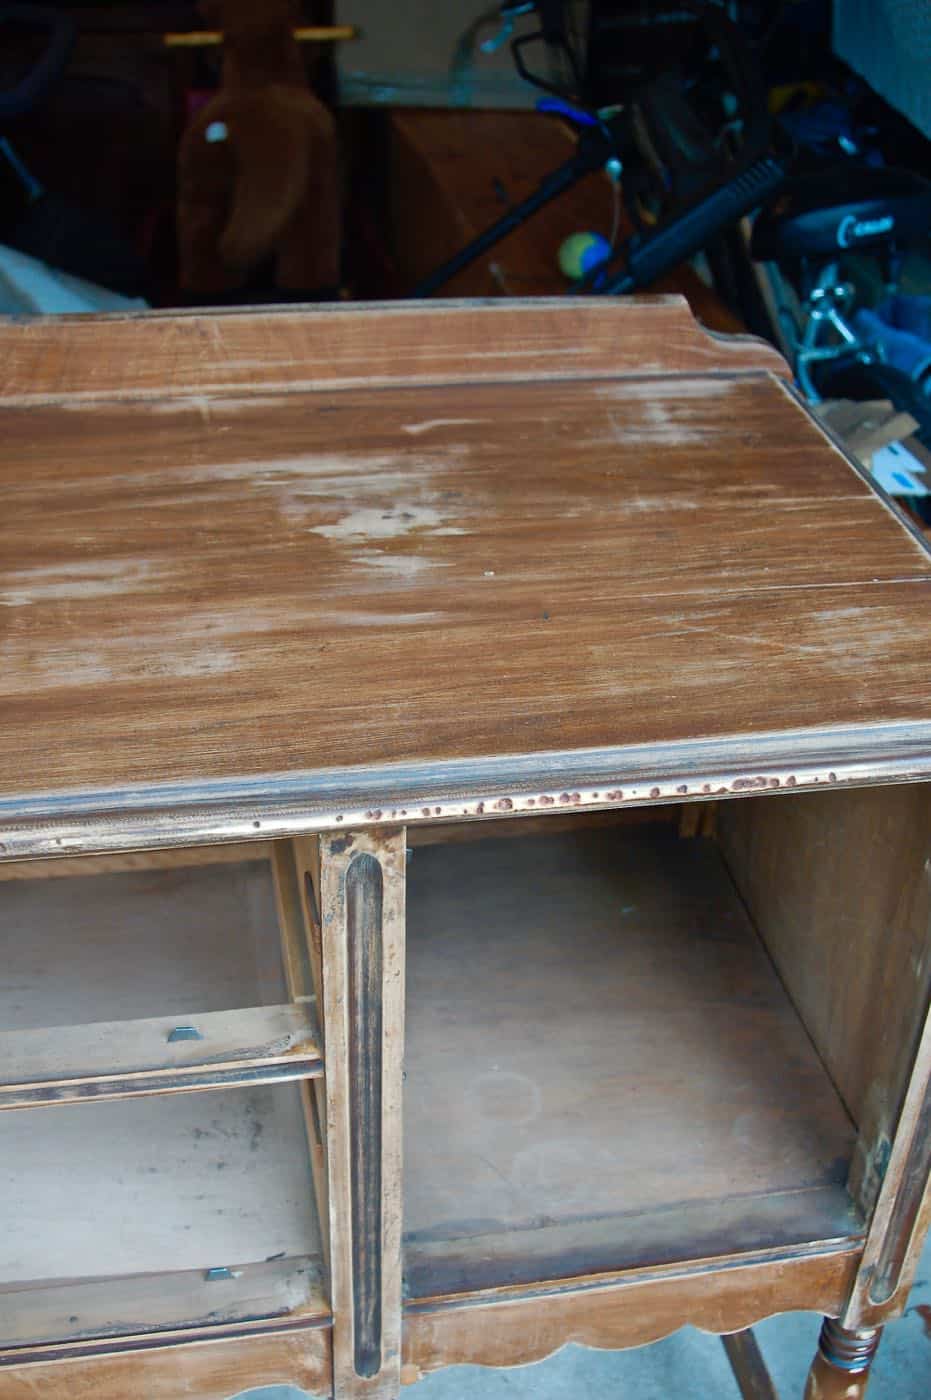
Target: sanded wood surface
<point>206,1371</point>
<point>641,1307</point>
<point>203,586</point>
<point>602,1069</point>
<point>158,354</point>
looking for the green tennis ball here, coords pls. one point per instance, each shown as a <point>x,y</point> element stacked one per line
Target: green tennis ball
<point>580,252</point>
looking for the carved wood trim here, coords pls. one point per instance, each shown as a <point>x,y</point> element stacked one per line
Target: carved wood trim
<point>207,1370</point>
<point>362,909</point>
<point>488,788</point>
<point>715,1297</point>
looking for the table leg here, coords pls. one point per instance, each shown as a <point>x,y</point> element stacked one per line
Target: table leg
<point>841,1368</point>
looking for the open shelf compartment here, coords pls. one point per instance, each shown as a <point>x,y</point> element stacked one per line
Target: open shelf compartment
<point>145,1215</point>
<point>603,1069</point>
<point>125,1215</point>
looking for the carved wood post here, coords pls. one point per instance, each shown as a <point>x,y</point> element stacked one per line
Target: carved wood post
<point>362,906</point>
<point>841,1368</point>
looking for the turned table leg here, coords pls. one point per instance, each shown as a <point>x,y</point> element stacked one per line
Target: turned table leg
<point>841,1368</point>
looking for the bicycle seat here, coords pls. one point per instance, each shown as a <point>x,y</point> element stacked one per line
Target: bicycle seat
<point>846,208</point>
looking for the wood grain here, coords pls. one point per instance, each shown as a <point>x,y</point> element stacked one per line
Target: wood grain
<point>362,904</point>
<point>177,355</point>
<point>125,1059</point>
<point>203,1371</point>
<point>714,1297</point>
<point>586,1014</point>
<point>288,605</point>
<point>838,886</point>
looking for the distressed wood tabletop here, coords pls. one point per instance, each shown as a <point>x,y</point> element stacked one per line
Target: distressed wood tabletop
<point>374,563</point>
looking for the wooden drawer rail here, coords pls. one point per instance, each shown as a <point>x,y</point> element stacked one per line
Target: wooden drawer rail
<point>160,1055</point>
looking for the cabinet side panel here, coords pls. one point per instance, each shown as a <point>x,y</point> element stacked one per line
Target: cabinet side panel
<point>838,886</point>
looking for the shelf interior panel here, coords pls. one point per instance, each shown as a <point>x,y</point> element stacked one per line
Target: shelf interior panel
<point>603,1069</point>
<point>136,944</point>
<point>164,1185</point>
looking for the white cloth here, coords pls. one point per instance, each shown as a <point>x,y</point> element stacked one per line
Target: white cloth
<point>30,287</point>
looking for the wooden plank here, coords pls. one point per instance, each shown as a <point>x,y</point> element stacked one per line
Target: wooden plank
<point>342,582</point>
<point>838,887</point>
<point>715,1296</point>
<point>586,1013</point>
<point>203,1371</point>
<point>130,1059</point>
<point>176,355</point>
<point>100,1310</point>
<point>300,946</point>
<point>362,906</point>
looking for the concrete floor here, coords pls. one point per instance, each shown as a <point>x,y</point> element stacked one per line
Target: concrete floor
<point>687,1366</point>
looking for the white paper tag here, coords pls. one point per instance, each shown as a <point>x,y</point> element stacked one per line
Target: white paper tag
<point>899,471</point>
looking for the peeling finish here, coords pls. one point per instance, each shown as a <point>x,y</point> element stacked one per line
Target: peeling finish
<point>153,827</point>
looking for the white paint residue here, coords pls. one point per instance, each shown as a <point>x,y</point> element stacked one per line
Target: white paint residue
<point>378,619</point>
<point>57,666</point>
<point>651,422</point>
<point>374,523</point>
<point>430,423</point>
<point>705,387</point>
<point>402,566</point>
<point>187,665</point>
<point>216,406</point>
<point>75,581</point>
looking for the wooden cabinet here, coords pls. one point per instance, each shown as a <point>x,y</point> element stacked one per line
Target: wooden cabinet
<point>465,833</point>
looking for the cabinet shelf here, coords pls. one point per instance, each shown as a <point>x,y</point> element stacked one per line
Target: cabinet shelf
<point>131,1208</point>
<point>603,1070</point>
